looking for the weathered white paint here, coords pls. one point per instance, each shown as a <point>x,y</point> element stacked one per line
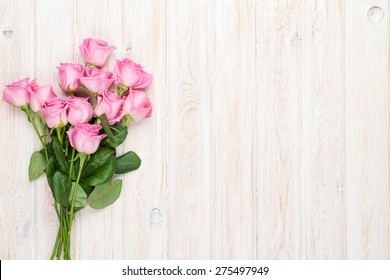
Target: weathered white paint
<point>269,139</point>
<point>367,134</point>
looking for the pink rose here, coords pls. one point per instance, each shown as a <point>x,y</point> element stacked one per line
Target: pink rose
<point>70,75</point>
<point>85,138</point>
<point>54,112</point>
<point>110,104</point>
<point>97,80</point>
<point>137,105</point>
<point>39,95</point>
<point>96,52</point>
<point>17,93</point>
<point>79,110</point>
<point>131,74</point>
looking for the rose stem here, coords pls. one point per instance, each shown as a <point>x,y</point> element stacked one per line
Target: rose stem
<point>59,136</point>
<point>43,127</point>
<point>82,160</point>
<point>31,119</point>
<point>71,163</point>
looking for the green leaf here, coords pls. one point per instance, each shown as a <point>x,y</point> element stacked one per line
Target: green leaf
<point>37,166</point>
<point>105,195</point>
<point>97,159</point>
<point>127,162</point>
<point>87,189</point>
<point>49,148</point>
<point>59,154</point>
<point>120,133</point>
<point>81,197</point>
<point>51,168</point>
<point>60,187</point>
<point>102,174</point>
<point>106,126</point>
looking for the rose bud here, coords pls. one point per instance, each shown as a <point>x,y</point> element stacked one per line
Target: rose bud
<point>79,110</point>
<point>97,80</point>
<point>39,95</point>
<point>54,112</point>
<point>96,52</point>
<point>131,74</point>
<point>85,138</point>
<point>137,105</point>
<point>109,104</point>
<point>70,76</point>
<point>17,93</point>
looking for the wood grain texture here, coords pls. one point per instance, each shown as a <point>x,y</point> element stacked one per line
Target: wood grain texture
<point>269,139</point>
<point>144,222</point>
<point>367,129</point>
<point>17,206</point>
<point>52,46</point>
<point>188,128</point>
<point>100,19</point>
<point>233,123</point>
<point>321,47</point>
<point>279,213</point>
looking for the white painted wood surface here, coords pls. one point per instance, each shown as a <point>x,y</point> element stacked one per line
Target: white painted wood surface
<point>367,134</point>
<point>270,136</point>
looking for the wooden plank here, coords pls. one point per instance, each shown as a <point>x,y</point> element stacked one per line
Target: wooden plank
<point>17,195</point>
<point>278,156</point>
<point>53,45</point>
<point>253,150</point>
<point>144,222</point>
<point>321,50</point>
<point>367,131</point>
<point>233,137</point>
<point>189,67</point>
<point>100,231</point>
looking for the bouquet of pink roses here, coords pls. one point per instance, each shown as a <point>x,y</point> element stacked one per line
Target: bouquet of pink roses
<point>79,133</point>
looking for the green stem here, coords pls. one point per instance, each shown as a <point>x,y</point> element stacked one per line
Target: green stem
<point>71,163</point>
<point>55,207</point>
<point>53,254</point>
<point>59,134</point>
<point>67,244</point>
<point>43,127</point>
<point>59,251</point>
<point>32,121</point>
<point>82,161</point>
<point>67,217</point>
<point>66,236</point>
<point>66,150</point>
<point>69,221</point>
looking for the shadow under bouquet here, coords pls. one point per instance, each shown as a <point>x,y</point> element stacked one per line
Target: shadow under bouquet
<point>79,133</point>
